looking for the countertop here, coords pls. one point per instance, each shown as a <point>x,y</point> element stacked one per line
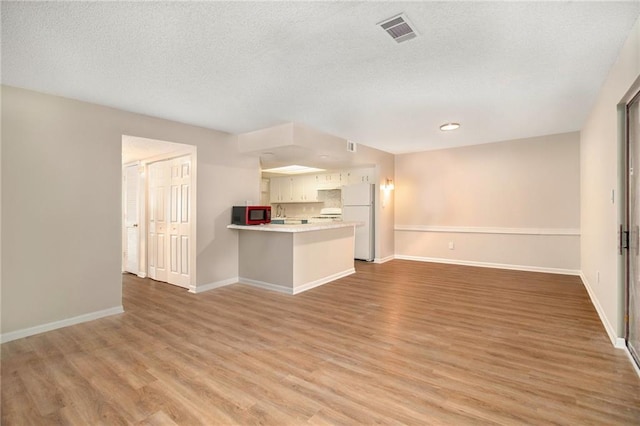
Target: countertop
<point>305,227</point>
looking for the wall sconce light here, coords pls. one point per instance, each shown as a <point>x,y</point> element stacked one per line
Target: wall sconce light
<point>388,185</point>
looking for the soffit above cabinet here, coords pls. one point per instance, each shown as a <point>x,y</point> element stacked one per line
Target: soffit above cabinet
<point>295,143</point>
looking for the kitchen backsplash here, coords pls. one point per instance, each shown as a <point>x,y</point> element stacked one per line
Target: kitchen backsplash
<point>329,198</point>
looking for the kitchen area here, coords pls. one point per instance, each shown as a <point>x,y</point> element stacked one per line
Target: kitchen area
<point>307,231</point>
<point>325,197</point>
<point>328,202</point>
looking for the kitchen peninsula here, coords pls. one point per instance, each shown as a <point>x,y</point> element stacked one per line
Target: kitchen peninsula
<point>294,258</point>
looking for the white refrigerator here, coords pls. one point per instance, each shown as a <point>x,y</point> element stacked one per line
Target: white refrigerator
<point>357,206</point>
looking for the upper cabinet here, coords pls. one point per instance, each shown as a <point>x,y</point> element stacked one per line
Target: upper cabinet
<point>280,190</point>
<point>295,189</point>
<point>331,180</point>
<point>365,175</point>
<point>304,188</point>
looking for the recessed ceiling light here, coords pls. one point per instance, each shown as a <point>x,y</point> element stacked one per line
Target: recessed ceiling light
<point>293,169</point>
<point>449,126</point>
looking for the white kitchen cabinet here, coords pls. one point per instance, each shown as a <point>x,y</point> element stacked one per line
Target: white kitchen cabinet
<point>265,186</point>
<point>332,180</point>
<point>304,189</point>
<point>280,190</point>
<point>364,175</point>
<point>295,189</point>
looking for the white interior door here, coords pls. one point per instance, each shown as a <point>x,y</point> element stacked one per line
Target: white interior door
<point>157,239</point>
<point>131,252</point>
<point>179,221</point>
<point>170,215</point>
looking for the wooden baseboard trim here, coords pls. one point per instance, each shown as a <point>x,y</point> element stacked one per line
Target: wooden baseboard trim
<point>26,332</point>
<point>490,265</point>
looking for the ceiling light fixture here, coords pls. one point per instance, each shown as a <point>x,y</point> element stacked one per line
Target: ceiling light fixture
<point>449,126</point>
<point>293,170</point>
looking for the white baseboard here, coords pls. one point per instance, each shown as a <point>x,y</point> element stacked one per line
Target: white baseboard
<point>265,285</point>
<point>490,265</point>
<point>324,280</point>
<point>616,341</point>
<point>26,332</point>
<point>142,274</point>
<point>217,284</point>
<point>383,259</point>
<point>300,288</point>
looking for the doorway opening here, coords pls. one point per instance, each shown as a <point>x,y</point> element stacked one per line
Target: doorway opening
<point>159,210</point>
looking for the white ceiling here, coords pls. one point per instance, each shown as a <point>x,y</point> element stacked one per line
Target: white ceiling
<point>503,69</point>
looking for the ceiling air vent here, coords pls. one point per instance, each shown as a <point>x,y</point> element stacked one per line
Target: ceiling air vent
<point>398,28</point>
<point>351,146</point>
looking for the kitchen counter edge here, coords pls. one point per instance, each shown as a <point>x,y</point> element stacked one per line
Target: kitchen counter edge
<point>305,227</point>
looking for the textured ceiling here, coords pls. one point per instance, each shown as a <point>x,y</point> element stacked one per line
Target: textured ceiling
<point>503,69</point>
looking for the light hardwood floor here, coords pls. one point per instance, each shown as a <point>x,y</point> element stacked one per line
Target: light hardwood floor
<point>398,343</point>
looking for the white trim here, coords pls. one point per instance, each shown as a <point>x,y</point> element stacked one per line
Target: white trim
<point>490,265</point>
<point>298,289</point>
<point>611,332</point>
<point>324,280</point>
<point>142,274</point>
<point>217,284</point>
<point>265,285</point>
<point>26,332</point>
<point>489,230</point>
<point>384,259</point>
<point>617,342</point>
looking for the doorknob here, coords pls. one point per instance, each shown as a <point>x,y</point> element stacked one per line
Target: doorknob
<point>135,225</point>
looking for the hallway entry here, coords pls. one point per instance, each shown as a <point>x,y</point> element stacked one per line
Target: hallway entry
<point>159,207</point>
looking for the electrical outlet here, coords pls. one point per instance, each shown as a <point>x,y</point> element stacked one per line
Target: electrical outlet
<point>451,245</point>
<point>598,277</point>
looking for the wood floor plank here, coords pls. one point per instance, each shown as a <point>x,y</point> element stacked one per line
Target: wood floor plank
<point>396,343</point>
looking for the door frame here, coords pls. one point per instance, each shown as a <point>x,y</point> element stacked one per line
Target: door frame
<point>142,264</point>
<point>623,265</point>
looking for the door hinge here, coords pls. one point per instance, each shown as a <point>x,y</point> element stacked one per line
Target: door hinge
<point>624,239</point>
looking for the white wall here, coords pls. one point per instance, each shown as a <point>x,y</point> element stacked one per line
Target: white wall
<point>61,237</point>
<point>600,175</point>
<point>509,204</point>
